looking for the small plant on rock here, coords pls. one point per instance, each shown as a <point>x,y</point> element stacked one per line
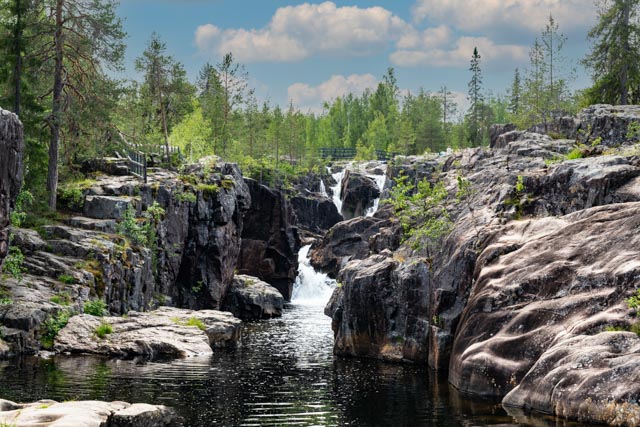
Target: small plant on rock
<point>95,307</point>
<point>13,263</point>
<point>103,330</point>
<point>52,326</point>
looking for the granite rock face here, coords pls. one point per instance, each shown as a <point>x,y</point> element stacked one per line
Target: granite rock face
<point>11,170</point>
<point>542,254</point>
<point>163,332</point>
<point>358,193</point>
<point>314,213</point>
<point>46,413</point>
<point>252,299</point>
<point>270,240</point>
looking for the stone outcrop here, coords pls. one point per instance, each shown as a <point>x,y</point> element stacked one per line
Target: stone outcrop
<point>499,129</point>
<point>384,327</point>
<point>162,332</point>
<point>611,123</point>
<point>11,169</point>
<point>252,299</point>
<point>270,241</point>
<point>542,255</point>
<point>314,213</point>
<point>46,413</point>
<point>358,193</point>
<point>354,239</point>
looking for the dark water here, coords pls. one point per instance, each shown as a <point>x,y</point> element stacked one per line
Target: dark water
<point>285,374</point>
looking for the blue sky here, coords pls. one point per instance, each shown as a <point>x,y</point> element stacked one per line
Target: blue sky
<point>310,52</point>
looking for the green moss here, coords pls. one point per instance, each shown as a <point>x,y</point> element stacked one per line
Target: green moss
<point>208,188</point>
<point>67,279</point>
<point>185,196</point>
<point>63,298</point>
<point>227,184</point>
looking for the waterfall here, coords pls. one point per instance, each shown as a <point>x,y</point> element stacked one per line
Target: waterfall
<point>337,189</point>
<point>311,287</point>
<point>380,181</point>
<point>323,189</point>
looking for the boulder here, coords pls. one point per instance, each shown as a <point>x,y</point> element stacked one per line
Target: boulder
<point>11,170</point>
<point>85,414</point>
<point>352,239</point>
<point>369,318</point>
<point>270,240</point>
<point>107,207</point>
<point>497,130</point>
<point>314,213</point>
<point>249,298</point>
<point>611,123</point>
<point>358,193</point>
<point>163,332</point>
<point>113,166</point>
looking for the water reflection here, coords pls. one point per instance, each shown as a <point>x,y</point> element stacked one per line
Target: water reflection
<point>285,374</point>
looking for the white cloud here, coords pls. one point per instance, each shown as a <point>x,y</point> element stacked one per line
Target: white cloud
<point>298,32</point>
<point>458,55</point>
<point>309,97</point>
<point>474,15</point>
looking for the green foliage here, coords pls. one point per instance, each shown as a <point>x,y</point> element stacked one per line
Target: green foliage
<point>197,287</point>
<point>574,154</point>
<point>185,197</point>
<point>364,152</point>
<point>520,185</point>
<point>141,232</point>
<point>6,301</point>
<point>192,321</point>
<point>62,298</point>
<point>52,326</point>
<point>67,279</point>
<point>464,189</point>
<point>634,301</point>
<point>96,307</point>
<point>208,188</point>
<point>23,202</point>
<point>103,330</point>
<point>13,263</point>
<point>421,211</point>
<point>633,131</point>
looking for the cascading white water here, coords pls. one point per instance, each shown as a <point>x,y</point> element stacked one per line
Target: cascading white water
<point>311,287</point>
<point>337,189</point>
<point>323,189</point>
<point>380,181</point>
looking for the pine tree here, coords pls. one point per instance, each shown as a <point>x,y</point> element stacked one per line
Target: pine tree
<point>615,55</point>
<point>77,39</point>
<point>476,100</point>
<point>449,108</point>
<point>515,95</point>
<point>234,81</point>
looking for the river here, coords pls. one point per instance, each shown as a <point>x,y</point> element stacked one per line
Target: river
<point>284,374</point>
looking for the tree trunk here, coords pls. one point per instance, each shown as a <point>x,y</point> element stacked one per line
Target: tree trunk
<point>56,111</point>
<point>18,53</point>
<point>624,73</point>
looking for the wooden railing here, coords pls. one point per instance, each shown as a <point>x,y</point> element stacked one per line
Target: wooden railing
<point>341,153</point>
<point>137,163</point>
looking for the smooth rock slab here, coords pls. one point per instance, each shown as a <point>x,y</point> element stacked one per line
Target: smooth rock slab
<point>48,413</point>
<point>163,332</point>
<point>252,299</point>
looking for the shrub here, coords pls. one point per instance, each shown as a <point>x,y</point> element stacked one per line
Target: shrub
<point>67,279</point>
<point>103,330</point>
<point>52,326</point>
<point>576,153</point>
<point>142,232</point>
<point>634,301</point>
<point>95,307</point>
<point>422,213</point>
<point>13,263</point>
<point>63,298</point>
<point>6,301</point>
<point>23,201</point>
